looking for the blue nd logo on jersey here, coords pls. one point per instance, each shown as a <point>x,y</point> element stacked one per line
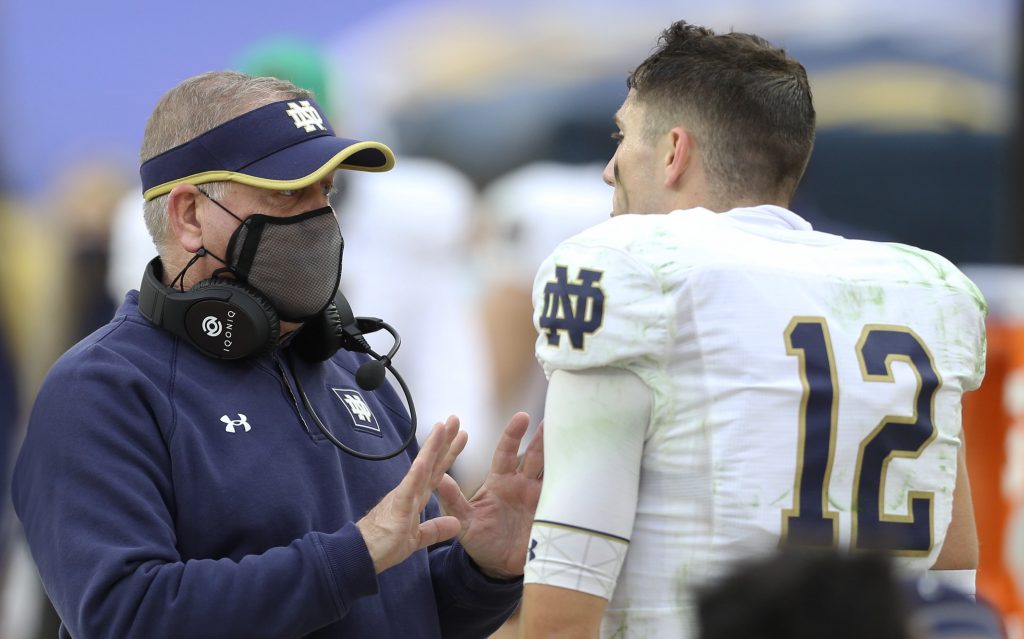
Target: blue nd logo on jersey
<point>576,308</point>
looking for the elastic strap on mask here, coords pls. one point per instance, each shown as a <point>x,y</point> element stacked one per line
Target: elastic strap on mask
<point>179,279</point>
<point>226,209</point>
<point>215,275</point>
<point>253,232</point>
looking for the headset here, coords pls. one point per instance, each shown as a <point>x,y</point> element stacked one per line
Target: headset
<point>230,320</point>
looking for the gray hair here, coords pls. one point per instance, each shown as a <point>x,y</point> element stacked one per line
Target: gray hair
<point>192,108</point>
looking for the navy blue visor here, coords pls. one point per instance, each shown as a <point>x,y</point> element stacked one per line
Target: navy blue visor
<point>283,146</point>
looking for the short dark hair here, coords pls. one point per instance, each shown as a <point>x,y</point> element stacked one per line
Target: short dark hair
<point>747,103</point>
<point>806,594</point>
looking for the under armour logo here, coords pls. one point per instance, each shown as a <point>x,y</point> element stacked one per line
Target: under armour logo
<point>357,407</point>
<point>305,116</point>
<point>574,307</point>
<point>234,423</point>
<point>533,545</point>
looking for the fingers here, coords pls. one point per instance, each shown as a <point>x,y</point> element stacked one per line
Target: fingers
<point>452,498</point>
<point>506,453</point>
<point>412,493</point>
<point>533,458</point>
<point>439,438</point>
<point>458,444</point>
<point>393,527</point>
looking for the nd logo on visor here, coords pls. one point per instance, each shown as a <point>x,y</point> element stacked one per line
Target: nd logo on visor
<point>305,116</point>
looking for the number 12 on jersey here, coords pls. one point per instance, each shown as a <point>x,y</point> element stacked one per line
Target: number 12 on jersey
<point>810,522</point>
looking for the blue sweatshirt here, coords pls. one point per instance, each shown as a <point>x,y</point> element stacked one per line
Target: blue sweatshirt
<point>167,494</point>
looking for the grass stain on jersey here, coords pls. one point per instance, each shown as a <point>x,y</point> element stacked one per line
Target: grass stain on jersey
<point>899,503</point>
<point>836,505</point>
<point>979,368</point>
<point>929,265</point>
<point>851,301</point>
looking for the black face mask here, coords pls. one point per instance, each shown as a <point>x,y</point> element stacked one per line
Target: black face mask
<point>295,262</point>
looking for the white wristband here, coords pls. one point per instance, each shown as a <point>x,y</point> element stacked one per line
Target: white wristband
<point>961,580</point>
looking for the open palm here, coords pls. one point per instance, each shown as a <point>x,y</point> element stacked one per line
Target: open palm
<point>496,521</point>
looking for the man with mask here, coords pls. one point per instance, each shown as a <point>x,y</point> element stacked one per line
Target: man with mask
<point>187,468</point>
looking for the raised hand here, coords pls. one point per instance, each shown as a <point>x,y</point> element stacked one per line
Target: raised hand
<point>392,529</point>
<point>496,521</point>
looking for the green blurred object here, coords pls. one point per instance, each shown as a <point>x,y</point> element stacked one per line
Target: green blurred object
<point>292,59</point>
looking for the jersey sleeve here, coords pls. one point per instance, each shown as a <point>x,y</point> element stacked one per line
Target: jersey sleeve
<point>594,430</point>
<point>966,308</point>
<point>596,305</point>
<point>978,313</point>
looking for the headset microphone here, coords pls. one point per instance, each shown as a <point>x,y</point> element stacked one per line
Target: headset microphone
<point>370,375</point>
<point>340,328</point>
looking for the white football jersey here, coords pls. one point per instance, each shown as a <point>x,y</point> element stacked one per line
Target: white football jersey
<point>805,388</point>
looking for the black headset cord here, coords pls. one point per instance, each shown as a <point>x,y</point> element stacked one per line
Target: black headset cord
<point>384,361</point>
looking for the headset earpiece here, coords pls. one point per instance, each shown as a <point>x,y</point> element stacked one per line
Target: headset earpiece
<point>257,312</point>
<point>225,319</point>
<point>320,337</point>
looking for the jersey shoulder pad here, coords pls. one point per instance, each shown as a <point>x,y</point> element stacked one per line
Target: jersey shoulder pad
<point>597,304</point>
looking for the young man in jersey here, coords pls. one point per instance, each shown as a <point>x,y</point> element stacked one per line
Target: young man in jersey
<point>723,378</point>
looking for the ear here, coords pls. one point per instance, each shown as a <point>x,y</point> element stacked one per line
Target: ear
<point>678,155</point>
<point>184,220</point>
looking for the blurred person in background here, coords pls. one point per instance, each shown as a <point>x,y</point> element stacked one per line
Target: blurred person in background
<point>84,200</point>
<point>81,204</point>
<point>523,216</point>
<point>9,400</point>
<point>738,379</point>
<point>10,415</point>
<point>172,482</point>
<point>809,595</point>
<point>10,431</point>
<point>35,320</point>
<point>409,244</point>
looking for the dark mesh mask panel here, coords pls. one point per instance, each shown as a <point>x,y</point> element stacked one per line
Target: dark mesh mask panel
<point>294,261</point>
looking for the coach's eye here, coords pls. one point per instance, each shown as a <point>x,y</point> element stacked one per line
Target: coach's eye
<point>288,193</point>
<point>618,136</point>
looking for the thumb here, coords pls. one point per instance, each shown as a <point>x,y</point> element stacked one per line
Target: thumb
<point>437,530</point>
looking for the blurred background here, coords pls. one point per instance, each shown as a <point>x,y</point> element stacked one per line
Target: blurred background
<point>500,114</point>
